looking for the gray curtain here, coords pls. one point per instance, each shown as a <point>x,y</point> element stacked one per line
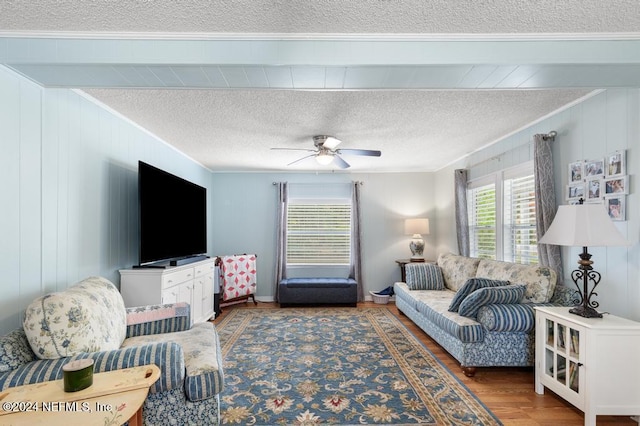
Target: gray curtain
<point>462,219</point>
<point>548,255</point>
<point>355,268</point>
<point>281,236</point>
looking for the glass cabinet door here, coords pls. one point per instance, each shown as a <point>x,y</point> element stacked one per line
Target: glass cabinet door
<point>562,354</point>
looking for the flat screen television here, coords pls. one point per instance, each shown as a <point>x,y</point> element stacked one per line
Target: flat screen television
<point>173,216</point>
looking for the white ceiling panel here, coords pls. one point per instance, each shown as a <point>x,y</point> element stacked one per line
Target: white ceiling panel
<point>334,77</point>
<point>191,76</point>
<point>402,77</point>
<point>279,77</point>
<point>215,77</point>
<point>257,77</point>
<point>132,75</point>
<point>308,77</point>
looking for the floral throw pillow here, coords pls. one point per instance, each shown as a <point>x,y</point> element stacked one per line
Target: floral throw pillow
<point>508,294</point>
<point>471,285</point>
<point>14,351</point>
<point>87,317</point>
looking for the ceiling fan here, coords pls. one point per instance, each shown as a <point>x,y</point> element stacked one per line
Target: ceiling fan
<point>326,152</point>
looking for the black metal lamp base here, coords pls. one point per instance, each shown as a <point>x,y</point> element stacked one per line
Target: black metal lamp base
<point>585,307</point>
<point>585,311</point>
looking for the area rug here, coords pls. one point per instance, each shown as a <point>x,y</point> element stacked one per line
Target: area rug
<point>308,366</point>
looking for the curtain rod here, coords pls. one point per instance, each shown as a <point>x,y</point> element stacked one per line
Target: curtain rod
<point>548,136</point>
<point>322,183</point>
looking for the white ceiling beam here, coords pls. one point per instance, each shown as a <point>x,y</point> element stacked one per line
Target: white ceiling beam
<point>317,52</point>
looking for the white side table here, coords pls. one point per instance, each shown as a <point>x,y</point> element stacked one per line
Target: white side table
<point>589,362</point>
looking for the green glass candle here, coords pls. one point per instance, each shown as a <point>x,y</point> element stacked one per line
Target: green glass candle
<point>77,375</point>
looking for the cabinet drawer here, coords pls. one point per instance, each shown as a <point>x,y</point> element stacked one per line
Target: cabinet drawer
<point>204,269</point>
<point>177,277</point>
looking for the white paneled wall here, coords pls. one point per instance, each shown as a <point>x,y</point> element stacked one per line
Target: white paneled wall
<point>69,194</point>
<point>604,123</point>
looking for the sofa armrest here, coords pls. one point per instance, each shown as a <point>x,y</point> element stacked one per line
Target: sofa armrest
<point>517,317</point>
<point>158,319</point>
<point>168,356</point>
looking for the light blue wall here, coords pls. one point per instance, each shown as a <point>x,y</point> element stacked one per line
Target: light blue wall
<point>604,123</point>
<point>69,202</point>
<point>245,219</point>
<point>69,193</point>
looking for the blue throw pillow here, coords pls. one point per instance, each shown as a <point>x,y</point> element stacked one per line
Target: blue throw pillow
<point>424,276</point>
<point>507,294</point>
<point>471,285</point>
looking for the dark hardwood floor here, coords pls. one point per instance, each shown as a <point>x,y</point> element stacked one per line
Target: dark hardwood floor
<point>508,392</point>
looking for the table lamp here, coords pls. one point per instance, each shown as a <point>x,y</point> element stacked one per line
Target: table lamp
<point>416,227</point>
<point>584,225</point>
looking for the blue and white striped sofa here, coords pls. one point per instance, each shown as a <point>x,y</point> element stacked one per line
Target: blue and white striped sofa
<point>189,359</point>
<point>499,334</point>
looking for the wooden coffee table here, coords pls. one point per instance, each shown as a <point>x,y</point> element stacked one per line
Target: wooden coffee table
<point>115,397</point>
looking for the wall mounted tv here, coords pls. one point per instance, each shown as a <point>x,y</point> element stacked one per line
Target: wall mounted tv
<point>173,217</point>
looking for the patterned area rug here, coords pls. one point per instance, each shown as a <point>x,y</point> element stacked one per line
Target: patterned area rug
<point>343,366</point>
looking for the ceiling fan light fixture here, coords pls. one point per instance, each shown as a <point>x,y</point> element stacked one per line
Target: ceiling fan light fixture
<point>324,158</point>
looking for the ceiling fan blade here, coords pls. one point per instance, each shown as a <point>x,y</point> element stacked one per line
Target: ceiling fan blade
<point>331,142</point>
<point>340,162</point>
<point>367,152</point>
<point>300,159</point>
<point>292,149</point>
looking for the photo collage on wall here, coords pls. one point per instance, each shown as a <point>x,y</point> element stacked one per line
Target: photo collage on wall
<point>603,180</point>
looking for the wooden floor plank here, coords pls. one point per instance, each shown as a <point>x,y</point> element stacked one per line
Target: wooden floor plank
<point>508,392</point>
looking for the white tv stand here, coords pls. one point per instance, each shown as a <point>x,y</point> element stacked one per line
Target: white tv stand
<point>192,283</point>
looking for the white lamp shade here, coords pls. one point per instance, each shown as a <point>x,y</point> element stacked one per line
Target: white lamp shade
<point>416,226</point>
<point>583,225</point>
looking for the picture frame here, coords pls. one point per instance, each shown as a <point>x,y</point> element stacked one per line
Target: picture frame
<point>616,185</point>
<point>594,168</point>
<point>616,164</point>
<point>594,189</point>
<point>575,191</point>
<point>576,172</point>
<point>616,207</point>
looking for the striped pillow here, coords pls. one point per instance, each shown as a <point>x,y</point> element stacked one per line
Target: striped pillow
<point>424,276</point>
<point>507,294</point>
<point>471,285</point>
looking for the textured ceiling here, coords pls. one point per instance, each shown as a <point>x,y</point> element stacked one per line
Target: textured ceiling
<point>323,16</point>
<point>233,129</point>
<point>416,130</point>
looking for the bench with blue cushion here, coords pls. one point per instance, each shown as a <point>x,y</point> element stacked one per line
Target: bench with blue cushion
<point>318,291</point>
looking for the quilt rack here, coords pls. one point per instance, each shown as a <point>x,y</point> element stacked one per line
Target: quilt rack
<point>238,278</point>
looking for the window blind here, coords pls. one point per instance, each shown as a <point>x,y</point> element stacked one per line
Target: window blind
<point>318,233</point>
<point>481,202</point>
<point>520,239</point>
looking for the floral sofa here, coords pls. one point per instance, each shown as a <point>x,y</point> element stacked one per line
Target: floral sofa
<point>89,320</point>
<point>480,311</point>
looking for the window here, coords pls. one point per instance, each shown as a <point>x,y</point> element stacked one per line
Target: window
<point>482,220</point>
<point>520,239</point>
<point>502,223</point>
<point>318,232</point>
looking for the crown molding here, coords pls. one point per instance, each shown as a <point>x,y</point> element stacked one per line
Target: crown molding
<point>101,35</point>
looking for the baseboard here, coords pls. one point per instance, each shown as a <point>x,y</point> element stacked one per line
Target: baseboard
<point>369,298</point>
<point>270,299</point>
